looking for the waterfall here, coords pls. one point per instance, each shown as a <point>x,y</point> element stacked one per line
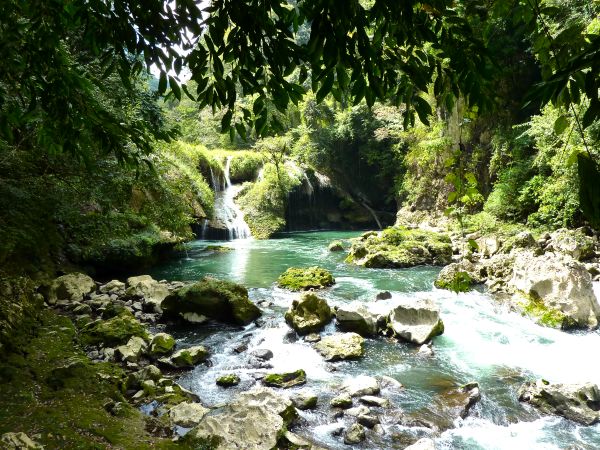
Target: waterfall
<point>227,214</point>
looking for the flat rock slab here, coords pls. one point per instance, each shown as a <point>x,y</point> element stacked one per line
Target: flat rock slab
<point>341,346</point>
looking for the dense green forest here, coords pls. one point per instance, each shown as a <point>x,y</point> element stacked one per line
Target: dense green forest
<point>460,131</point>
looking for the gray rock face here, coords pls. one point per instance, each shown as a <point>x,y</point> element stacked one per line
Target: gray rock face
<point>149,290</point>
<point>356,317</point>
<point>187,414</point>
<point>577,402</point>
<point>71,287</point>
<point>341,346</point>
<point>416,321</point>
<point>254,420</point>
<point>556,285</point>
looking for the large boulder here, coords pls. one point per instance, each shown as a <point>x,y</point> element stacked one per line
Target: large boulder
<point>304,279</point>
<point>187,414</point>
<point>459,276</point>
<point>309,314</point>
<point>72,287</point>
<point>573,243</point>
<point>356,317</point>
<point>254,420</point>
<point>186,357</point>
<point>577,402</point>
<point>218,299</point>
<point>554,289</point>
<point>133,350</point>
<point>161,344</point>
<point>114,331</point>
<point>416,321</point>
<point>150,291</point>
<point>398,247</point>
<point>341,346</point>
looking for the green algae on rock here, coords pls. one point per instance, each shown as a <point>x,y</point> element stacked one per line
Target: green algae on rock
<point>114,331</point>
<point>309,314</point>
<point>228,380</point>
<point>304,279</point>
<point>398,247</point>
<point>285,380</point>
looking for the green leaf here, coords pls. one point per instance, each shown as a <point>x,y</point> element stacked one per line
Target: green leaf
<point>162,83</point>
<point>560,125</point>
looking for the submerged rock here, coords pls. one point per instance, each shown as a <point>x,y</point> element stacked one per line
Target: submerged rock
<point>398,247</point>
<point>254,420</point>
<point>149,290</point>
<point>341,346</point>
<point>285,380</point>
<point>218,299</point>
<point>556,290</point>
<point>416,321</point>
<point>356,317</point>
<point>72,287</point>
<point>187,414</point>
<point>304,279</point>
<point>577,402</point>
<point>309,314</point>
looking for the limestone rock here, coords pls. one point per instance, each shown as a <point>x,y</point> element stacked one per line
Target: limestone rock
<point>556,290</point>
<point>577,402</point>
<point>254,420</point>
<point>309,314</point>
<point>336,246</point>
<point>573,243</point>
<point>114,331</point>
<point>218,299</point>
<point>422,444</point>
<point>161,344</point>
<point>19,441</point>
<point>341,346</point>
<point>344,401</point>
<point>285,380</point>
<point>304,279</point>
<point>416,321</point>
<point>112,287</point>
<point>452,276</point>
<point>187,414</point>
<point>132,351</point>
<point>355,434</point>
<point>361,385</point>
<point>72,287</point>
<point>187,357</point>
<point>228,380</point>
<point>305,400</point>
<point>356,317</point>
<point>149,290</point>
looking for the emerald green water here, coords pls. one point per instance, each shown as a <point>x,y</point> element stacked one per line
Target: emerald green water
<point>482,342</point>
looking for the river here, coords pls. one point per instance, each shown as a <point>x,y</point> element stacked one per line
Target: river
<point>482,342</point>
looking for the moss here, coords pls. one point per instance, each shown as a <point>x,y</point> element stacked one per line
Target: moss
<point>285,380</point>
<point>397,247</point>
<point>228,380</point>
<point>114,331</point>
<point>303,279</point>
<point>457,281</point>
<point>336,246</point>
<point>51,390</point>
<point>218,248</point>
<point>309,314</point>
<point>534,307</point>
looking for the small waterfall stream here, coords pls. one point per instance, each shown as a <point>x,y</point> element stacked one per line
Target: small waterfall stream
<point>227,214</point>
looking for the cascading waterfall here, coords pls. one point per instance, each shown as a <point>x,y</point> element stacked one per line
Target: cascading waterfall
<point>227,213</point>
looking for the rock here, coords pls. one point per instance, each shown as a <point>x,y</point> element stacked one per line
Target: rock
<point>488,246</point>
<point>254,420</point>
<point>422,444</point>
<point>355,434</point>
<point>309,314</point>
<point>112,287</point>
<point>371,400</point>
<point>285,380</point>
<point>368,420</point>
<point>341,346</point>
<point>161,344</point>
<point>19,441</point>
<point>573,243</point>
<point>187,357</point>
<point>82,310</point>
<point>228,380</point>
<point>305,400</point>
<point>389,383</point>
<point>132,351</point>
<point>344,401</point>
<point>312,338</point>
<point>361,385</point>
<point>218,299</point>
<point>115,331</point>
<point>459,276</point>
<point>187,414</point>
<point>304,279</point>
<point>577,402</point>
<point>262,353</point>
<point>416,321</point>
<point>398,247</point>
<point>336,246</point>
<point>555,290</point>
<point>384,295</point>
<point>356,317</point>
<point>357,411</point>
<point>425,350</point>
<point>193,317</point>
<point>72,287</point>
<point>149,290</point>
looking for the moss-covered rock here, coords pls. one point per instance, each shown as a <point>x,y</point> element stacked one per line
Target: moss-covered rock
<point>285,380</point>
<point>459,277</point>
<point>336,246</point>
<point>304,279</point>
<point>218,299</point>
<point>115,331</point>
<point>161,344</point>
<point>187,357</point>
<point>228,380</point>
<point>398,247</point>
<point>308,314</point>
<point>71,287</point>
